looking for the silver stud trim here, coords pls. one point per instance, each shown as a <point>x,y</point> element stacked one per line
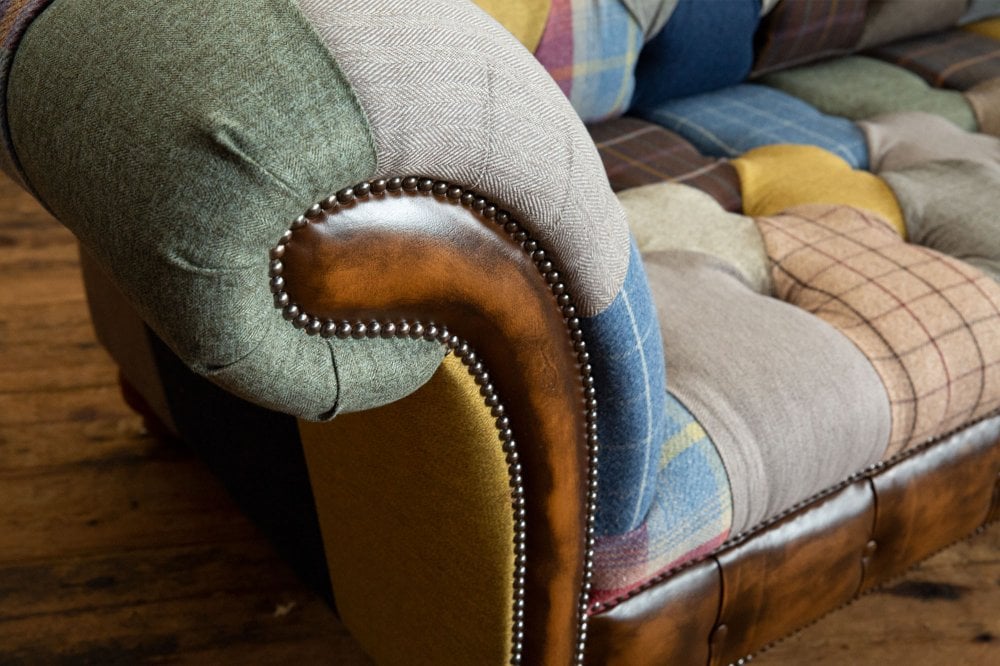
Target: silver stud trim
<point>431,331</point>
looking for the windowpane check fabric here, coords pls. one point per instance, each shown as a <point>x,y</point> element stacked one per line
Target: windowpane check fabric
<point>929,323</point>
<point>798,32</point>
<point>731,121</point>
<point>951,59</point>
<point>636,152</point>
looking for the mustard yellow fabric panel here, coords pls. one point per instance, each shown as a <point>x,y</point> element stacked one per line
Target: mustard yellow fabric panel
<point>415,510</point>
<point>988,28</point>
<point>525,19</point>
<point>777,177</point>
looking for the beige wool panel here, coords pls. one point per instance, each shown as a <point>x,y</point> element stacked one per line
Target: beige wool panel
<point>450,95</point>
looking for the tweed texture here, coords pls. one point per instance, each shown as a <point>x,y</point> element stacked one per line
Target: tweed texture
<point>985,101</point>
<point>525,19</point>
<point>630,379</point>
<point>892,20</point>
<point>807,30</point>
<point>590,48</point>
<point>669,216</point>
<point>774,178</point>
<point>951,206</point>
<point>651,15</point>
<point>929,323</point>
<point>731,121</point>
<point>690,515</point>
<point>178,149</point>
<point>450,95</point>
<point>980,9</point>
<point>900,140</point>
<point>414,505</point>
<point>735,362</point>
<point>833,87</point>
<point>685,58</point>
<point>15,17</point>
<point>636,152</point>
<point>952,59</point>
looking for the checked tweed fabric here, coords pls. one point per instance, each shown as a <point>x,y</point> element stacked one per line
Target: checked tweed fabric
<point>929,323</point>
<point>954,59</point>
<point>636,152</point>
<point>799,32</point>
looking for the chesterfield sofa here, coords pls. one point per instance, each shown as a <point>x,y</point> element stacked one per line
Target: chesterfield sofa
<point>546,332</point>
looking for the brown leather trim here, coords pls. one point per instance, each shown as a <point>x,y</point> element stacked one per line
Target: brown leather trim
<point>794,569</point>
<point>639,632</point>
<point>390,259</point>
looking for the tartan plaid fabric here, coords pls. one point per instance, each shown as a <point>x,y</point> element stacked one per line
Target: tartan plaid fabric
<point>929,323</point>
<point>690,516</point>
<point>15,17</point>
<point>952,59</point>
<point>799,32</point>
<point>731,121</point>
<point>636,152</point>
<point>590,48</point>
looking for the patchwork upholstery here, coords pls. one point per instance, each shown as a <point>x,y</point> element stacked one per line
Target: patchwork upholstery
<point>892,20</point>
<point>636,152</point>
<point>668,216</point>
<point>831,86</point>
<point>807,30</point>
<point>747,235</point>
<point>952,59</point>
<point>773,178</point>
<point>735,363</point>
<point>900,140</point>
<point>980,9</point>
<point>731,121</point>
<point>590,48</point>
<point>929,323</point>
<point>950,206</point>
<point>683,58</point>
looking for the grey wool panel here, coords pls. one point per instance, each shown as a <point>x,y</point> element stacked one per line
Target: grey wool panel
<point>791,404</point>
<point>951,206</point>
<point>890,20</point>
<point>900,140</point>
<point>451,95</point>
<point>651,15</point>
<point>178,144</point>
<point>832,87</point>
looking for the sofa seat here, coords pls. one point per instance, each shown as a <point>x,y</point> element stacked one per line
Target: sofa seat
<point>790,287</point>
<point>856,230</point>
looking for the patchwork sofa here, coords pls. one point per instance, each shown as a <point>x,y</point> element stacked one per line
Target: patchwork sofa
<point>546,332</point>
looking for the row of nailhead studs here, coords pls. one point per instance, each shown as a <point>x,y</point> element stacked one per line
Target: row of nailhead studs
<point>432,332</point>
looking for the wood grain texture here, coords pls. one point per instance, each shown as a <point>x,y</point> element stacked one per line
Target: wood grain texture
<point>118,548</point>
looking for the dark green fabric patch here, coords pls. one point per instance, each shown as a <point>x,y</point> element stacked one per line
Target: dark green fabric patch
<point>178,141</point>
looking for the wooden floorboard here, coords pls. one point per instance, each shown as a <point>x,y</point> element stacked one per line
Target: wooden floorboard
<point>119,548</point>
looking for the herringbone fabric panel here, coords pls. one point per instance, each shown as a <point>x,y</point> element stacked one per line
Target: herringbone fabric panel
<point>929,323</point>
<point>450,95</point>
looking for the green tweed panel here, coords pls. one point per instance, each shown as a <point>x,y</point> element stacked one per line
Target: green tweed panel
<point>177,142</point>
<point>857,87</point>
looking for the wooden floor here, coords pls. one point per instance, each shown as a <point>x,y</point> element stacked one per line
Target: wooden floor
<point>118,548</point>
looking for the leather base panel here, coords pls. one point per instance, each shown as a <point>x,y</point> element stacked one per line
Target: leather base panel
<point>792,570</point>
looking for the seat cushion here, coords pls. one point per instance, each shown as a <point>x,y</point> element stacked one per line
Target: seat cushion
<point>731,121</point>
<point>929,323</point>
<point>901,140</point>
<point>774,178</point>
<point>636,152</point>
<point>832,87</point>
<point>799,32</point>
<point>950,59</point>
<point>951,206</point>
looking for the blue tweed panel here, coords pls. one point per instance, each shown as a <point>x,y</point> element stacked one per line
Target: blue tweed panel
<point>731,121</point>
<point>636,416</point>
